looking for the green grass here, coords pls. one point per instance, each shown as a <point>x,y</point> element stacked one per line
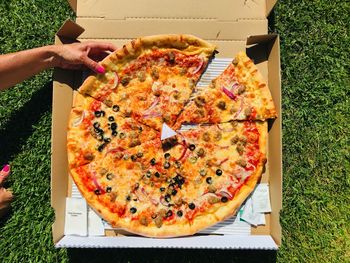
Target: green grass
<point>315,54</point>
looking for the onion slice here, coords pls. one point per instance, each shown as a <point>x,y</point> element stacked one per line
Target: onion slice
<point>184,145</point>
<point>78,121</point>
<point>225,193</point>
<point>198,68</point>
<point>229,94</point>
<point>223,161</point>
<point>240,108</point>
<point>152,115</point>
<point>98,186</point>
<point>115,82</point>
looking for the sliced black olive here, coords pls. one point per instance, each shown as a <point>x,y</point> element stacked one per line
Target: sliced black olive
<point>133,210</point>
<point>109,189</point>
<point>169,213</point>
<point>114,133</point>
<point>97,114</point>
<point>148,174</point>
<point>115,108</point>
<point>111,118</point>
<point>191,206</point>
<point>167,155</point>
<point>167,198</point>
<point>179,213</point>
<point>107,140</point>
<point>133,158</point>
<point>96,125</point>
<point>153,161</point>
<point>139,154</point>
<point>166,165</point>
<point>101,147</point>
<point>109,176</point>
<point>224,199</point>
<point>174,192</point>
<point>218,172</point>
<point>113,126</point>
<point>97,192</point>
<point>128,198</point>
<point>192,147</point>
<point>99,137</point>
<point>102,113</point>
<point>162,189</point>
<point>209,180</point>
<point>157,174</point>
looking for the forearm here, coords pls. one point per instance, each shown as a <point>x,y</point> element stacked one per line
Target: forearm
<point>16,67</point>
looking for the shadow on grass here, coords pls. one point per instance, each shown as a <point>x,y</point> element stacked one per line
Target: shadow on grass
<point>20,126</point>
<point>170,255</point>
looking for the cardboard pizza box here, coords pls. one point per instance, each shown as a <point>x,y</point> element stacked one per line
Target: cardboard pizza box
<point>232,26</point>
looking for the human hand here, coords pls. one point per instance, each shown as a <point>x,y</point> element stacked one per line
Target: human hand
<point>76,55</point>
<point>5,195</point>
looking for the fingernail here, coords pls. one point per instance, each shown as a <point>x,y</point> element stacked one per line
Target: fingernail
<point>6,168</point>
<point>100,69</point>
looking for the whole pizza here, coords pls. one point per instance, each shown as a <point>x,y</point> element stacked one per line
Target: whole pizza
<point>190,181</point>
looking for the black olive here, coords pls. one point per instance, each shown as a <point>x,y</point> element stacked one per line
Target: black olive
<point>115,108</point>
<point>148,174</point>
<point>102,113</point>
<point>166,165</point>
<point>153,161</point>
<point>224,199</point>
<point>169,213</point>
<point>179,213</point>
<point>97,192</point>
<point>162,189</point>
<point>114,133</point>
<point>140,129</point>
<point>97,114</point>
<point>133,210</point>
<point>157,174</point>
<point>96,125</point>
<point>167,198</point>
<point>113,126</point>
<point>174,192</point>
<point>218,172</point>
<point>107,140</point>
<point>133,158</point>
<point>99,137</point>
<point>111,118</point>
<point>128,198</point>
<point>109,189</point>
<point>122,135</point>
<point>191,206</point>
<point>101,147</point>
<point>209,180</point>
<point>192,147</point>
<point>109,176</point>
<point>139,154</point>
<point>167,155</point>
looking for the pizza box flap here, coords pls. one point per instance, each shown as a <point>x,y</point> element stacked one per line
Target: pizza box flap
<point>223,10</point>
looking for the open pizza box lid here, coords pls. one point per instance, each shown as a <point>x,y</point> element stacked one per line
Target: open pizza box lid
<point>232,26</point>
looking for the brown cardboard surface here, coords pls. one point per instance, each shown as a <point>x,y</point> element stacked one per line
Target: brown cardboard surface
<point>225,23</point>
<point>197,9</point>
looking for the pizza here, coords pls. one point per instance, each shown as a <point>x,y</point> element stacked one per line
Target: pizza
<point>185,183</point>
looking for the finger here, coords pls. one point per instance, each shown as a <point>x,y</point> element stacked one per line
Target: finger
<point>6,196</point>
<point>4,173</point>
<point>102,46</point>
<point>92,65</point>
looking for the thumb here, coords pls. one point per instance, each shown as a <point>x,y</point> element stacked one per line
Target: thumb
<point>93,65</point>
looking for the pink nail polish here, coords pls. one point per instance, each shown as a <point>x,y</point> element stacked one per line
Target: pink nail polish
<point>6,168</point>
<point>100,69</point>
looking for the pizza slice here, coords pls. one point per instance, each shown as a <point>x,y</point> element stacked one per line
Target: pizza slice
<point>93,128</point>
<point>151,78</point>
<point>239,93</point>
<point>220,164</point>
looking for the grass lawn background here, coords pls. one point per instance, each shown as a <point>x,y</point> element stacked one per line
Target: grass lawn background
<point>315,54</point>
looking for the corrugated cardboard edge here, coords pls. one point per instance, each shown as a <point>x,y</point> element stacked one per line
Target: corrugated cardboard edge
<point>196,242</point>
